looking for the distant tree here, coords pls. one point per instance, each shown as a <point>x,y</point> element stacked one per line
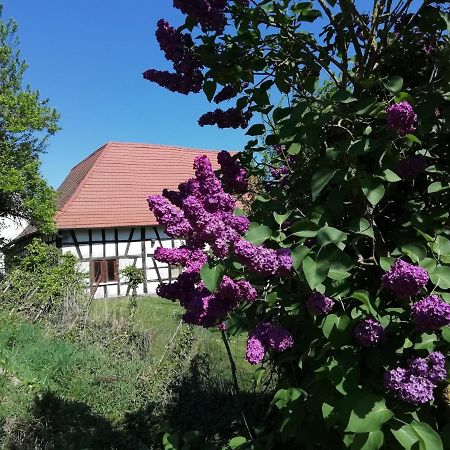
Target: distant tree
<point>26,122</point>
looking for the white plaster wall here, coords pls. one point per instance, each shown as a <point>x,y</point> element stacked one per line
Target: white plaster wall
<point>97,251</point>
<point>134,254</point>
<point>9,229</point>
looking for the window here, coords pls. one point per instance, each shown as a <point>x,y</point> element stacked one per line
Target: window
<point>104,270</point>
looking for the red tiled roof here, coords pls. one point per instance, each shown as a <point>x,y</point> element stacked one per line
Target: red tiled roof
<point>111,186</point>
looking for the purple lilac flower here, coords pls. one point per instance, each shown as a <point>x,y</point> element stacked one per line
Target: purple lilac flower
<point>262,260</point>
<point>411,167</point>
<point>177,48</point>
<point>264,337</point>
<point>173,43</point>
<point>318,304</point>
<point>401,118</point>
<point>408,387</point>
<point>231,118</point>
<point>226,93</point>
<point>209,13</point>
<point>284,261</point>
<point>431,313</point>
<point>192,259</point>
<point>416,383</point>
<point>436,364</point>
<point>222,326</point>
<point>369,332</point>
<point>255,351</point>
<point>202,213</point>
<point>169,216</point>
<point>176,82</point>
<point>234,175</point>
<point>405,279</point>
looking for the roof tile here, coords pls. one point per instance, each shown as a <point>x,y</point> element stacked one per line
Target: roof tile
<point>110,187</point>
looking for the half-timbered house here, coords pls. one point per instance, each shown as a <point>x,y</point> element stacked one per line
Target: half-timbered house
<point>103,217</point>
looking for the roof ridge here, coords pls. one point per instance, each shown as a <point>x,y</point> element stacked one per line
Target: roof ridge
<point>89,156</point>
<point>83,181</point>
<point>146,144</point>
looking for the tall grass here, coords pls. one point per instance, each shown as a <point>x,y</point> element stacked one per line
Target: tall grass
<point>106,383</point>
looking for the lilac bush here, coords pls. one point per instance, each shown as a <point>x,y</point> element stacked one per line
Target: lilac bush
<point>343,254</point>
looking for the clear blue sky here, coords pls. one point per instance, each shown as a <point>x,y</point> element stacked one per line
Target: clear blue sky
<point>87,57</point>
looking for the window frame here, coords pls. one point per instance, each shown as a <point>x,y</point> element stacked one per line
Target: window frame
<point>104,270</point>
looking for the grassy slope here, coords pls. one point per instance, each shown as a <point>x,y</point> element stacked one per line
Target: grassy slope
<point>91,386</point>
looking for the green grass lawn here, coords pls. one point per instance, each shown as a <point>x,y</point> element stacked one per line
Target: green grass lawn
<point>162,317</point>
<point>57,388</point>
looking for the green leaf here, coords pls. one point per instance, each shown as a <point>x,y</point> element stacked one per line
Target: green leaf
<point>315,271</point>
<point>281,218</point>
<point>437,187</point>
<point>415,251</point>
<point>441,277</point>
<point>368,414</point>
<point>256,130</point>
<point>373,189</point>
<point>209,88</point>
<point>320,179</point>
<point>237,442</point>
<point>440,246</point>
<point>446,334</point>
<point>428,438</point>
<point>394,84</point>
<point>298,254</point>
<point>391,176</point>
<point>342,96</point>
<point>446,17</point>
<point>413,138</point>
<point>406,436</point>
<point>362,226</point>
<point>212,276</point>
<point>304,228</point>
<point>427,342</point>
<point>386,262</point>
<point>368,441</point>
<point>284,396</point>
<point>257,233</point>
<point>363,297</point>
<point>330,234</point>
<point>294,148</point>
<point>333,321</point>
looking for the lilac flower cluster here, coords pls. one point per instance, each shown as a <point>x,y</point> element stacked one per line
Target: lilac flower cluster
<point>192,259</point>
<point>206,309</point>
<point>234,176</point>
<point>431,313</point>
<point>264,337</point>
<point>177,48</point>
<point>416,383</point>
<point>411,167</point>
<point>202,307</point>
<point>405,279</point>
<point>228,92</point>
<point>201,212</point>
<point>369,332</point>
<point>231,118</point>
<point>318,304</point>
<point>208,13</point>
<point>401,118</point>
<point>262,260</point>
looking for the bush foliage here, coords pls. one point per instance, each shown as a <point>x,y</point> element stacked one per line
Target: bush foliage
<point>355,107</point>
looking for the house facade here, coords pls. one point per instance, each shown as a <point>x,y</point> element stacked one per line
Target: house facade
<point>103,217</point>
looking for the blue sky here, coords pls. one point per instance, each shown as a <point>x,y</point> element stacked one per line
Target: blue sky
<point>87,57</point>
